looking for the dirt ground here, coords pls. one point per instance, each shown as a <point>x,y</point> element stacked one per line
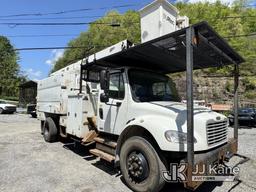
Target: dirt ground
<point>28,164</point>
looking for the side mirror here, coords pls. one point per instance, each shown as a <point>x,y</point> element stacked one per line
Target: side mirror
<point>104,85</point>
<point>104,98</point>
<point>104,80</point>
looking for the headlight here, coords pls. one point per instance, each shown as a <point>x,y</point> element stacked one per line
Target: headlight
<point>177,137</point>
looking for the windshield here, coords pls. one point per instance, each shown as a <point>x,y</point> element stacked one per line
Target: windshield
<point>2,102</point>
<point>149,86</point>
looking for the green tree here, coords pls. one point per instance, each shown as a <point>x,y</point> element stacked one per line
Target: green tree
<point>9,75</point>
<point>100,36</point>
<point>216,14</point>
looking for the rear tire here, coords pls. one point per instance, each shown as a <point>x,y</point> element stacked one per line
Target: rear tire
<point>50,130</point>
<point>145,173</point>
<point>1,111</point>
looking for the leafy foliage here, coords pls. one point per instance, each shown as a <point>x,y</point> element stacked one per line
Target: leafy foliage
<point>101,36</point>
<point>215,14</point>
<point>9,75</point>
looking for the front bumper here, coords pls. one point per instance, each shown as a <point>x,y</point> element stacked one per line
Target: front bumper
<point>210,158</point>
<point>31,109</point>
<point>10,110</point>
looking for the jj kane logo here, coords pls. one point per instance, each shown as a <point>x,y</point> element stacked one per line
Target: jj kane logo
<point>203,172</point>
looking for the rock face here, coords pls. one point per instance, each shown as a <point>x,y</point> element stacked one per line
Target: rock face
<point>214,90</point>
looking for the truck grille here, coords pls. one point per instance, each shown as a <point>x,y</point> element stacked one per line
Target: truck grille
<point>216,132</point>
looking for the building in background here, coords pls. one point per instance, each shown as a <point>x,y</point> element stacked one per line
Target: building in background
<point>27,97</point>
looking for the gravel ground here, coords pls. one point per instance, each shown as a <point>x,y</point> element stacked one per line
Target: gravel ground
<point>28,164</point>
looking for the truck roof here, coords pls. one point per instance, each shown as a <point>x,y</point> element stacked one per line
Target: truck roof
<point>167,54</point>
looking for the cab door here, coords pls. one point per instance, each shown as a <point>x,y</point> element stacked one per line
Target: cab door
<point>112,115</point>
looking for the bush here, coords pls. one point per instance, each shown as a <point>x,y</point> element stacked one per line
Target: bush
<point>250,94</point>
<point>249,83</point>
<point>9,98</point>
<point>229,87</point>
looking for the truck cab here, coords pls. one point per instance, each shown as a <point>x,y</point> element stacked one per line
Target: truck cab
<point>142,98</point>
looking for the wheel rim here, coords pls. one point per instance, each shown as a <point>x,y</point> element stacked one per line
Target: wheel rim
<point>137,165</point>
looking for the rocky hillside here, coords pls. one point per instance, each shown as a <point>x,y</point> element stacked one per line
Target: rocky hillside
<point>217,89</point>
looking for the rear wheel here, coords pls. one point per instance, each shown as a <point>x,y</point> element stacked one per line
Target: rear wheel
<point>50,130</point>
<point>141,166</point>
<point>1,111</point>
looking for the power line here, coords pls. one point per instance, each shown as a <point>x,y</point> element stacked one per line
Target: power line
<point>60,24</point>
<point>99,46</point>
<point>61,18</point>
<point>58,18</point>
<point>71,35</point>
<point>50,48</point>
<point>111,16</point>
<point>14,24</point>
<point>49,35</point>
<point>69,11</point>
<point>91,9</point>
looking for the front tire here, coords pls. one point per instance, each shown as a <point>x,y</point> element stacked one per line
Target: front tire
<point>1,111</point>
<point>141,166</point>
<point>50,130</point>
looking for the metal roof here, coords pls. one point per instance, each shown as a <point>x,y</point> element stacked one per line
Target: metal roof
<point>167,54</point>
<point>28,84</point>
<point>158,2</point>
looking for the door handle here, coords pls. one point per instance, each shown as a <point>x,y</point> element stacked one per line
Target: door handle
<point>101,113</point>
<point>118,104</point>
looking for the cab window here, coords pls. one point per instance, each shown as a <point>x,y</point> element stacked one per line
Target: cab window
<point>116,86</point>
<point>149,86</point>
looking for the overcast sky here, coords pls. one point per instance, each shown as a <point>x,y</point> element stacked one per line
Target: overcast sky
<point>37,64</point>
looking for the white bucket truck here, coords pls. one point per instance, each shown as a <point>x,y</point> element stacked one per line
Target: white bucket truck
<point>121,99</point>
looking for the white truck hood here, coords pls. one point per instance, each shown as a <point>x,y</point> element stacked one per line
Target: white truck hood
<point>179,106</point>
<point>179,112</point>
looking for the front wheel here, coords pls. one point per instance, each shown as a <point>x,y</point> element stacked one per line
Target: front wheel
<point>1,111</point>
<point>141,166</point>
